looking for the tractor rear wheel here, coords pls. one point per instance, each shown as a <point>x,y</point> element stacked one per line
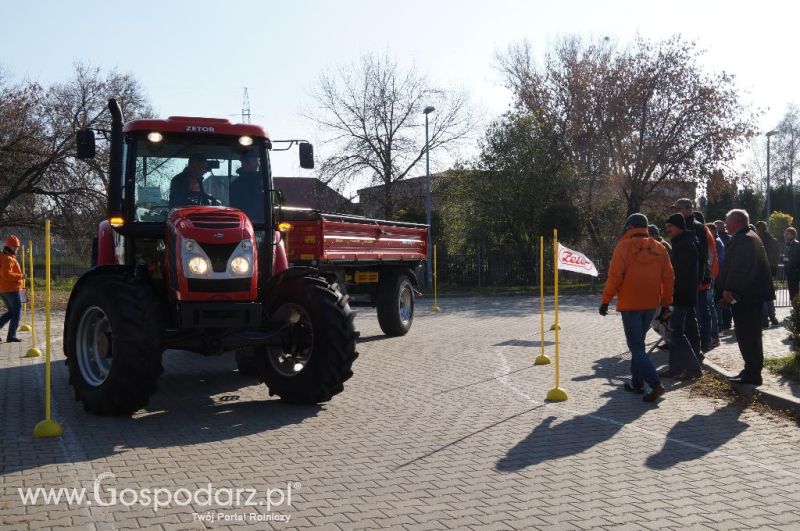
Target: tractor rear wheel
<point>112,342</point>
<point>395,305</point>
<point>317,341</point>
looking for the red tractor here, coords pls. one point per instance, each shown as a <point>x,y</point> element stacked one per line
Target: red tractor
<point>190,258</point>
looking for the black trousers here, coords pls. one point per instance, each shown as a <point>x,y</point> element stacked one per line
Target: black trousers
<point>793,280</point>
<point>693,335</point>
<point>747,320</point>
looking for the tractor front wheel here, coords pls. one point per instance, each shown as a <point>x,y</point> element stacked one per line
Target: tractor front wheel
<point>316,343</point>
<point>112,342</point>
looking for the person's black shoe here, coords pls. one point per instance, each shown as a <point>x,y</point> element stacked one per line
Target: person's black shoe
<point>663,346</point>
<point>765,325</point>
<point>669,373</point>
<point>13,340</point>
<point>774,321</point>
<point>653,395</point>
<point>633,389</point>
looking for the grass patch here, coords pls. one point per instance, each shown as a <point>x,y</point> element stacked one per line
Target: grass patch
<point>787,366</point>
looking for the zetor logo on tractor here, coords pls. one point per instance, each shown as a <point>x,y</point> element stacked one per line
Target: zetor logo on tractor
<point>190,258</point>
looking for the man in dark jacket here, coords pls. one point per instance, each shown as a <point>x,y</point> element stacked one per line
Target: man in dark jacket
<point>773,253</point>
<point>186,187</point>
<point>683,360</point>
<point>746,283</point>
<point>685,207</point>
<point>247,191</point>
<point>791,261</point>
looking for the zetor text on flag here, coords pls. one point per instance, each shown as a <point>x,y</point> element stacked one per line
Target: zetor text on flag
<point>570,260</point>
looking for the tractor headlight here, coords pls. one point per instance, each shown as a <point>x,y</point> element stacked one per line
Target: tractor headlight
<point>198,265</point>
<point>246,245</point>
<point>240,265</point>
<point>189,245</point>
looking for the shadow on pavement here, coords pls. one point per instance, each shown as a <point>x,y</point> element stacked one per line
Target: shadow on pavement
<point>700,435</point>
<point>200,400</point>
<point>550,441</point>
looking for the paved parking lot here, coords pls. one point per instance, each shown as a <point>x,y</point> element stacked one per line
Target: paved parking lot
<point>444,428</point>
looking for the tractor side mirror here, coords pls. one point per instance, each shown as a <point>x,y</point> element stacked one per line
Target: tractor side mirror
<point>306,155</point>
<point>84,143</point>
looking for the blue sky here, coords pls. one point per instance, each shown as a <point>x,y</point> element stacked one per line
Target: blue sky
<point>194,58</point>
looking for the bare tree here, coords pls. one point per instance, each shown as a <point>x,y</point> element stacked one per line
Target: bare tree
<point>638,116</point>
<point>787,145</point>
<point>372,113</point>
<point>39,175</point>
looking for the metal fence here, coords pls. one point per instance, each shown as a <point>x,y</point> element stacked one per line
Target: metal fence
<point>68,258</point>
<point>505,268</point>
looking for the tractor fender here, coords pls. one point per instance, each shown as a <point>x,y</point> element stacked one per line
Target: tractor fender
<point>290,273</point>
<point>105,245</point>
<point>280,260</point>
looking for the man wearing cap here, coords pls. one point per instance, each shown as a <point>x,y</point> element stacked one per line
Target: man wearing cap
<point>745,283</point>
<point>12,282</point>
<point>640,276</point>
<point>186,188</point>
<point>683,360</point>
<point>247,191</point>
<point>685,207</point>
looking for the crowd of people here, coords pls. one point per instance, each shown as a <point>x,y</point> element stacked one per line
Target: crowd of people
<point>708,278</point>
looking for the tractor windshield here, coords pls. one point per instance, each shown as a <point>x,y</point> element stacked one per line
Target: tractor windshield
<point>183,171</point>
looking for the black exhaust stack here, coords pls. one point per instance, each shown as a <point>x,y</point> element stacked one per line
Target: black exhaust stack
<point>115,165</point>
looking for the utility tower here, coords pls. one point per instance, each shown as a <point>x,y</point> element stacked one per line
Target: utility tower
<point>245,107</point>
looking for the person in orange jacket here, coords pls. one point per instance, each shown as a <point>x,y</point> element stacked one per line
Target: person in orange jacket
<point>640,276</point>
<point>12,281</point>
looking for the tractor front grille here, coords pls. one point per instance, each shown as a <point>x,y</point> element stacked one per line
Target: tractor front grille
<point>219,254</point>
<point>214,220</point>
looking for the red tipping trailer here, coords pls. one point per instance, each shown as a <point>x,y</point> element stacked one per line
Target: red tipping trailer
<point>382,260</point>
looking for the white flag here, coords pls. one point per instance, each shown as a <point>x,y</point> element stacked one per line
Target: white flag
<point>570,260</point>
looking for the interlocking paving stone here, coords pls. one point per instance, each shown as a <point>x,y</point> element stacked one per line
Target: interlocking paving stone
<point>446,427</point>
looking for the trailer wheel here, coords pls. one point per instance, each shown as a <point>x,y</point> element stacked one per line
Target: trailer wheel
<point>395,305</point>
<point>318,341</point>
<point>112,342</point>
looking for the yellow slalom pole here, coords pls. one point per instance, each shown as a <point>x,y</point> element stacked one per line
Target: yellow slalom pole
<point>435,298</point>
<point>33,352</point>
<point>24,327</point>
<point>556,394</point>
<point>48,427</point>
<point>541,359</point>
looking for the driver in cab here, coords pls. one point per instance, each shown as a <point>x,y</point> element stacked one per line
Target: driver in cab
<point>186,188</point>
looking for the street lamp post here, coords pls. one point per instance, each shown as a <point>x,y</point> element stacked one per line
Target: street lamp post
<point>768,205</point>
<point>428,201</point>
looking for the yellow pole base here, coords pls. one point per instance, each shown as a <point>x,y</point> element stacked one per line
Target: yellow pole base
<point>33,353</point>
<point>48,428</point>
<point>542,360</point>
<point>24,328</point>
<point>555,327</point>
<point>436,309</point>
<point>556,394</point>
